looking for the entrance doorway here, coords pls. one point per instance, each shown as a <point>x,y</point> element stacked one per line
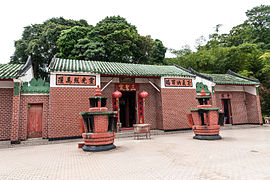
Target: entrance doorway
<point>227,111</point>
<point>127,107</point>
<point>34,122</point>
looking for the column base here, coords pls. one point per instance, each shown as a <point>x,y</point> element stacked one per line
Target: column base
<point>98,148</point>
<point>207,137</point>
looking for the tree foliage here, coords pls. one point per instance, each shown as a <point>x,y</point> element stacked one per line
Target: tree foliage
<point>39,41</point>
<point>245,50</point>
<point>112,39</point>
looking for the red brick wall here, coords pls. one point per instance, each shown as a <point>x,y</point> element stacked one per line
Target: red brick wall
<point>33,99</point>
<point>238,106</point>
<point>15,118</point>
<point>6,100</point>
<point>175,105</point>
<point>259,109</point>
<point>159,110</point>
<point>253,113</point>
<point>107,92</point>
<point>151,105</point>
<point>65,105</point>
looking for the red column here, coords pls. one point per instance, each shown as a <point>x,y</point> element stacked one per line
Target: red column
<point>141,110</point>
<point>15,114</point>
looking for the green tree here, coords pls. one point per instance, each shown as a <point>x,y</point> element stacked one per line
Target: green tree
<point>256,29</point>
<point>259,19</point>
<point>69,38</point>
<point>112,39</point>
<point>157,54</point>
<point>39,41</point>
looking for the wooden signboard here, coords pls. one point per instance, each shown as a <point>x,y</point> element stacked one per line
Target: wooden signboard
<point>176,82</point>
<point>81,80</point>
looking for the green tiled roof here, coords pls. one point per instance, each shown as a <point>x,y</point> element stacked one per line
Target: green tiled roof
<point>230,79</point>
<point>114,68</point>
<point>10,71</point>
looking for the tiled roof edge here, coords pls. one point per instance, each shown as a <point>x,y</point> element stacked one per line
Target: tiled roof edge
<point>199,74</point>
<point>238,75</point>
<point>183,69</point>
<point>26,67</point>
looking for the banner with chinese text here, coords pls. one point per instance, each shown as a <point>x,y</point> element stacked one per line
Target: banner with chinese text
<point>126,87</point>
<point>81,80</point>
<point>175,82</point>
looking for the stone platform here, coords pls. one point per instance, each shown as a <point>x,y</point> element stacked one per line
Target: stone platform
<point>170,156</point>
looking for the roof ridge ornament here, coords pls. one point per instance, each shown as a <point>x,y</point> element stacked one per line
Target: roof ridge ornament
<point>26,66</point>
<point>240,76</point>
<point>199,74</point>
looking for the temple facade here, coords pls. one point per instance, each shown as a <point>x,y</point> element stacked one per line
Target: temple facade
<point>34,108</point>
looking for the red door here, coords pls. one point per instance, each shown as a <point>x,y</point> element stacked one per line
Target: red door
<point>34,123</point>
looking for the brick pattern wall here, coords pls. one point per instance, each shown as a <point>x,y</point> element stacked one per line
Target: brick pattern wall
<point>15,118</point>
<point>238,107</point>
<point>150,109</point>
<point>6,101</point>
<point>107,92</point>
<point>259,109</point>
<point>175,105</point>
<point>33,99</point>
<point>152,112</point>
<point>65,104</point>
<point>159,110</point>
<point>253,113</point>
<point>101,124</point>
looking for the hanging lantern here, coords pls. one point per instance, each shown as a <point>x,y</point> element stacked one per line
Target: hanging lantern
<point>143,94</point>
<point>117,94</point>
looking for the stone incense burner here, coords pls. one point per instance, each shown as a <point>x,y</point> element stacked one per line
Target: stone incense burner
<point>204,120</point>
<point>99,125</point>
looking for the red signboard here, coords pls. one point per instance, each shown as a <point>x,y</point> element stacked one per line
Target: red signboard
<point>175,82</point>
<point>126,87</point>
<point>81,80</point>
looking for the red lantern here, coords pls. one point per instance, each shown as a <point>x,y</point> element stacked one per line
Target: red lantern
<point>117,94</point>
<point>143,94</point>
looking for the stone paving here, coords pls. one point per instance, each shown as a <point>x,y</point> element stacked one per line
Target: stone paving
<point>241,154</point>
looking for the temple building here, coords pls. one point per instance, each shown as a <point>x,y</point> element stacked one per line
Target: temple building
<point>34,108</point>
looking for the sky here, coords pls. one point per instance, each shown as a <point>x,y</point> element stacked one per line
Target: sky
<point>175,22</point>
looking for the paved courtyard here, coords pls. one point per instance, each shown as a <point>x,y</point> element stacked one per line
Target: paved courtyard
<point>241,154</point>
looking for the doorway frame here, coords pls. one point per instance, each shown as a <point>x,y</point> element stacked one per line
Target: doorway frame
<point>135,108</point>
<point>227,96</point>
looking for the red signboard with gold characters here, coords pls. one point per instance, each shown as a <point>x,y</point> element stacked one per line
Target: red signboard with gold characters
<point>126,87</point>
<point>176,82</point>
<point>81,80</point>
